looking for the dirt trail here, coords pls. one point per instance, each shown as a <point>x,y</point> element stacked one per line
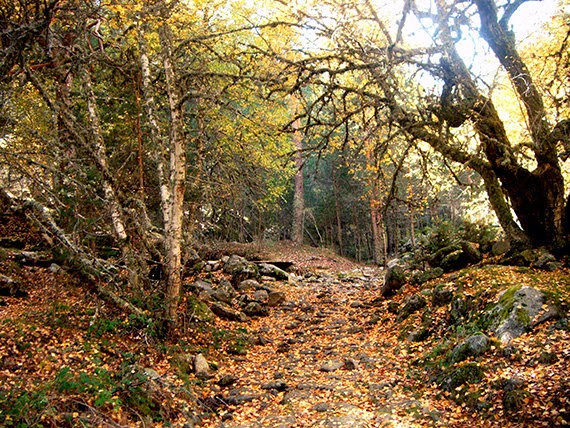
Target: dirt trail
<point>329,358</point>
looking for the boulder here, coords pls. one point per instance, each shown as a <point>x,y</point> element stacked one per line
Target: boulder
<point>471,252</point>
<point>350,364</point>
<point>393,307</point>
<point>198,310</point>
<point>331,365</point>
<point>8,286</point>
<point>456,377</point>
<point>275,298</point>
<point>524,258</point>
<point>515,395</point>
<point>518,310</point>
<point>201,367</point>
<point>202,287</point>
<point>501,247</point>
<point>422,277</point>
<point>248,285</point>
<point>459,310</point>
<point>436,258</point>
<point>224,292</point>
<point>240,269</point>
<point>419,335</point>
<point>441,295</point>
<point>394,279</point>
<point>224,311</point>
<point>277,385</point>
<point>256,309</point>
<point>227,380</point>
<point>273,271</point>
<point>261,296</point>
<point>473,346</point>
<point>411,305</point>
<point>547,261</point>
<point>454,261</point>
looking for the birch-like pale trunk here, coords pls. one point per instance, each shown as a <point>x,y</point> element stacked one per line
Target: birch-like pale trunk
<point>299,196</point>
<point>177,183</point>
<point>156,136</point>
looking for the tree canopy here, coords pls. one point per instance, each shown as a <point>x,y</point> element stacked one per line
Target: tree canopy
<point>158,123</point>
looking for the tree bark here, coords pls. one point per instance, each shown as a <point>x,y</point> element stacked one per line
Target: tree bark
<point>177,183</point>
<point>299,195</point>
<point>156,136</point>
<point>101,154</point>
<point>336,191</point>
<point>536,197</point>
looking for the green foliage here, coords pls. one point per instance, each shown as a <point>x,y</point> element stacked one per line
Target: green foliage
<point>442,235</point>
<point>128,389</point>
<point>100,384</point>
<point>20,408</point>
<point>445,234</point>
<point>514,400</point>
<point>480,233</point>
<point>103,326</point>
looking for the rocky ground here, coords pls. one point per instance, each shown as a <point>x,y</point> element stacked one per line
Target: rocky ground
<point>327,352</point>
<point>334,356</point>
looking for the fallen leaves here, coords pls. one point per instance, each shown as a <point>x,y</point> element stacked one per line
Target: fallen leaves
<point>326,317</point>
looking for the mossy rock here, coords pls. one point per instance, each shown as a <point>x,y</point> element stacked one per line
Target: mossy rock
<point>394,279</point>
<point>183,364</point>
<point>455,261</point>
<point>411,304</point>
<point>419,335</point>
<point>473,346</point>
<point>441,295</point>
<point>518,309</point>
<point>524,258</point>
<point>460,310</point>
<point>240,269</point>
<point>436,258</point>
<point>466,374</point>
<point>393,307</point>
<point>422,277</point>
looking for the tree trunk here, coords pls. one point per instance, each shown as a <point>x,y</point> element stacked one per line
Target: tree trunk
<point>177,183</point>
<point>377,239</point>
<point>156,137</point>
<point>299,196</point>
<point>536,197</point>
<point>412,227</point>
<point>132,261</point>
<point>337,210</point>
<point>100,152</point>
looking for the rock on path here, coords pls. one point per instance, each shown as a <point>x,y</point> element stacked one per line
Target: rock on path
<point>325,364</point>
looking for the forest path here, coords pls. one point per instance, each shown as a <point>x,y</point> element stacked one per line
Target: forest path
<point>329,358</point>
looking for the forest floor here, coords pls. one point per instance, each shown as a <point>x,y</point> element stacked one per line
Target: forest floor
<point>330,356</point>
